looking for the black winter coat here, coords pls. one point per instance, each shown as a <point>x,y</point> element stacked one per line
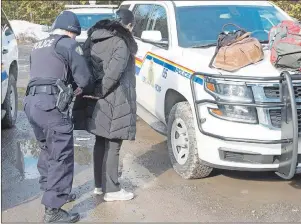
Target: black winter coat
<point>110,53</point>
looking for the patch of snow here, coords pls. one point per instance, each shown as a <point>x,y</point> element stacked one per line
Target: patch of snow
<point>25,30</point>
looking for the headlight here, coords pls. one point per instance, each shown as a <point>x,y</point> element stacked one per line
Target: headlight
<point>235,113</point>
<point>232,93</point>
<point>229,92</point>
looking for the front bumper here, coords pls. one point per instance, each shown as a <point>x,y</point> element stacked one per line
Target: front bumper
<point>239,156</point>
<point>288,163</point>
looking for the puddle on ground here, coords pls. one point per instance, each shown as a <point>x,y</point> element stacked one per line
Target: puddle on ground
<point>27,156</point>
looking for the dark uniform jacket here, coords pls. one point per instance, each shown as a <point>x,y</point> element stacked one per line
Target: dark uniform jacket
<point>109,51</point>
<point>58,57</point>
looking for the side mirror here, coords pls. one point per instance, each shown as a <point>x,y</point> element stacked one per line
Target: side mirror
<point>151,35</point>
<point>46,29</point>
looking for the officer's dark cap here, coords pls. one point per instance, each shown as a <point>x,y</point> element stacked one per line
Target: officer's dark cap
<point>68,21</point>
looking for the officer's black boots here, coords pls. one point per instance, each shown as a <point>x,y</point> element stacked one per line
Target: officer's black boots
<point>58,215</point>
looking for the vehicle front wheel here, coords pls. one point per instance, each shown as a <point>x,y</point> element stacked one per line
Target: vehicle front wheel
<point>182,144</point>
<point>10,104</point>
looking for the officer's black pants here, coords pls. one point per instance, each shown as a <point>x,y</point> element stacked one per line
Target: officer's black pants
<point>54,131</point>
<point>106,161</point>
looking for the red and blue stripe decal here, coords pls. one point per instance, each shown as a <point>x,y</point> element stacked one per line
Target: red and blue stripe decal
<point>169,65</point>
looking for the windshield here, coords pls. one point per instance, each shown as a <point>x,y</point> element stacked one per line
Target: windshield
<point>201,25</point>
<point>88,20</point>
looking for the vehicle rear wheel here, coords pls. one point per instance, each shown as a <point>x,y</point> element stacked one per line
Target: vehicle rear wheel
<point>182,144</point>
<point>10,104</point>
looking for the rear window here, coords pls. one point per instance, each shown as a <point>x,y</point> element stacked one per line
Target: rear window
<point>201,25</point>
<point>88,20</point>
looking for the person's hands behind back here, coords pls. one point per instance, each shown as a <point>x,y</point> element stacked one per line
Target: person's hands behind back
<point>91,97</point>
<point>78,91</point>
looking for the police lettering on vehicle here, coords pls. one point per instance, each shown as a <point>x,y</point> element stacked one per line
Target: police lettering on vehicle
<point>43,43</point>
<point>158,88</point>
<point>182,73</point>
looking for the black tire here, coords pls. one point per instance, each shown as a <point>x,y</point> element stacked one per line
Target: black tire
<point>192,168</point>
<point>10,117</point>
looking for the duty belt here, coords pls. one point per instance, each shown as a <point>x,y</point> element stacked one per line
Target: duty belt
<point>48,89</point>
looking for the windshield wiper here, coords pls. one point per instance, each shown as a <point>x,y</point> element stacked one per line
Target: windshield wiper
<point>204,45</point>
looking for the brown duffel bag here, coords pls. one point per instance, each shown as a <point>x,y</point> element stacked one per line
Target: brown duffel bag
<point>244,51</point>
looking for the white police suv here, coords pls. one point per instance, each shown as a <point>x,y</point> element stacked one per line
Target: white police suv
<point>215,119</point>
<point>9,74</point>
<point>88,15</point>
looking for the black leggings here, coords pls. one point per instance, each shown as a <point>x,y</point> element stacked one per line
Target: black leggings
<point>106,162</point>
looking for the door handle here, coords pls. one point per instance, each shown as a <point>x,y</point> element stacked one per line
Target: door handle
<point>4,51</point>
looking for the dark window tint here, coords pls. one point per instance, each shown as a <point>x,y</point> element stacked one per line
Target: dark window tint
<point>141,13</point>
<point>159,21</point>
<point>124,7</point>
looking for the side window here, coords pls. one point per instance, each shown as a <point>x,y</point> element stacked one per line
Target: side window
<point>141,13</point>
<point>124,7</point>
<point>158,21</point>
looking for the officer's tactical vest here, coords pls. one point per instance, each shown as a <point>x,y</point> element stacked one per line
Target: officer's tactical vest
<point>45,63</point>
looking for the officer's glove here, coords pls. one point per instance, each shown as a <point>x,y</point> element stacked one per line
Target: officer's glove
<point>78,91</point>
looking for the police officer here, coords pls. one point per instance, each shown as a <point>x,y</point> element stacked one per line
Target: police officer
<point>57,57</point>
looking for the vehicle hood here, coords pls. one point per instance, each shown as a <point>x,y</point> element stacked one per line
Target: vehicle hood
<point>198,60</point>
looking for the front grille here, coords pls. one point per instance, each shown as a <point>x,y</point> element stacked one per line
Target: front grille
<point>245,157</point>
<point>274,92</point>
<point>275,116</point>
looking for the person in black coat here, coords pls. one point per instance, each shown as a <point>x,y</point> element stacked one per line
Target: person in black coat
<point>110,112</point>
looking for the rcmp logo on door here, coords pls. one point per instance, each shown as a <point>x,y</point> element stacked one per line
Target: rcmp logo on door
<point>150,75</point>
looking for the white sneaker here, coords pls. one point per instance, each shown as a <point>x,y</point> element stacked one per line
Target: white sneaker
<point>98,191</point>
<point>121,195</point>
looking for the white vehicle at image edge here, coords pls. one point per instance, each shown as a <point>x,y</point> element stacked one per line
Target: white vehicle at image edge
<point>212,118</point>
<point>9,74</point>
<point>88,15</point>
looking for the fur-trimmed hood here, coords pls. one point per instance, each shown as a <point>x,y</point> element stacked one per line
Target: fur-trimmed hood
<point>105,29</point>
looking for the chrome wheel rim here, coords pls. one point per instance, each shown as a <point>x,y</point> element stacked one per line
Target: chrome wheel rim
<point>180,141</point>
